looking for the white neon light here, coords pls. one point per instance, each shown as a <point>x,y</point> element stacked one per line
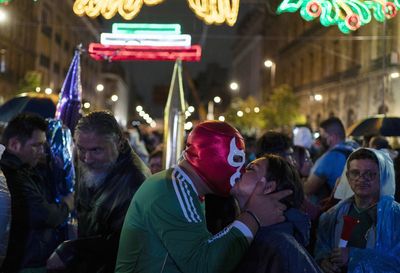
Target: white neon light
<point>145,39</point>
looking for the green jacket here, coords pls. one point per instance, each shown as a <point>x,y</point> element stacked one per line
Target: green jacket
<point>165,231</point>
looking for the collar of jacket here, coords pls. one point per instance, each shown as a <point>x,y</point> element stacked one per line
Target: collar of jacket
<point>11,161</point>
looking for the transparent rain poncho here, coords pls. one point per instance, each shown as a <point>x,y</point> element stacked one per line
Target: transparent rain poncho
<point>382,253</point>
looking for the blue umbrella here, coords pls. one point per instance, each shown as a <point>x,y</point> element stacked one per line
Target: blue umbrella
<point>69,104</point>
<point>30,102</point>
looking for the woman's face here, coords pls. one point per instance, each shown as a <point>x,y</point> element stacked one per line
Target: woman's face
<point>255,171</point>
<point>307,165</point>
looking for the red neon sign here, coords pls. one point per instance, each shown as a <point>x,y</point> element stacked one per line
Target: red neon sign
<point>144,53</point>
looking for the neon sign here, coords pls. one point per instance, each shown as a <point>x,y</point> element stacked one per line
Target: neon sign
<point>210,11</point>
<point>348,15</point>
<point>151,42</point>
<point>144,53</point>
<point>145,39</point>
<point>128,9</point>
<point>138,28</point>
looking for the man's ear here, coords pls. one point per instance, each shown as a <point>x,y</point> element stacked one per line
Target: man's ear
<point>14,145</point>
<point>270,186</point>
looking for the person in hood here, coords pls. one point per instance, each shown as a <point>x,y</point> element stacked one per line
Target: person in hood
<point>280,247</point>
<point>165,228</point>
<point>372,242</point>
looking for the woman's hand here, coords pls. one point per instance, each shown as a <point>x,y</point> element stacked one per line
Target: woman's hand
<point>340,256</point>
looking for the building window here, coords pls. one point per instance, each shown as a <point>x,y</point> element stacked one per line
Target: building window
<point>44,61</point>
<point>58,38</point>
<point>351,117</point>
<point>46,28</point>
<point>3,60</point>
<point>56,68</point>
<point>66,46</point>
<point>318,119</point>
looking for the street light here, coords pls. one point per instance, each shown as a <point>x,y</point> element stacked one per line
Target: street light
<point>3,15</point>
<point>234,86</point>
<point>272,66</point>
<point>210,112</point>
<point>318,97</point>
<point>217,99</point>
<point>114,98</point>
<point>100,87</point>
<point>394,75</point>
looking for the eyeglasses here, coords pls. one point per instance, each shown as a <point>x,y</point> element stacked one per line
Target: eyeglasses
<point>356,174</point>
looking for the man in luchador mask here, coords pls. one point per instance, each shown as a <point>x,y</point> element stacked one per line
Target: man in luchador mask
<point>165,228</point>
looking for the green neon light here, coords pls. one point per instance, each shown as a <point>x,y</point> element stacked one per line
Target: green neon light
<point>4,1</point>
<point>125,28</point>
<point>347,15</point>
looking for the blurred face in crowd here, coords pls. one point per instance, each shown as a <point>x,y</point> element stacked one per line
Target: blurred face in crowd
<point>255,171</point>
<point>97,153</point>
<point>155,164</point>
<point>305,167</point>
<point>363,177</point>
<point>31,151</point>
<point>288,155</point>
<point>325,138</point>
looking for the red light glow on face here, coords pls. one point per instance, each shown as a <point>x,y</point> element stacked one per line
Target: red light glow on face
<point>144,53</point>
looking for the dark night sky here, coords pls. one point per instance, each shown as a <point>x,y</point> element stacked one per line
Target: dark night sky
<point>216,45</point>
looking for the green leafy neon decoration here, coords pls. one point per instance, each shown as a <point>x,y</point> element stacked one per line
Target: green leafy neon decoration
<point>348,15</point>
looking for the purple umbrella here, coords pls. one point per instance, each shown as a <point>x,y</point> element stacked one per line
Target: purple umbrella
<point>69,104</point>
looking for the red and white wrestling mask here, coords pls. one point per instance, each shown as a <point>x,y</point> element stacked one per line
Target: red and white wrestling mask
<point>216,151</point>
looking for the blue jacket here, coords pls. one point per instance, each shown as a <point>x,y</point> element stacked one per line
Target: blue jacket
<point>281,248</point>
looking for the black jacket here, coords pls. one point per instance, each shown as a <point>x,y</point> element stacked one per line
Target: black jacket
<point>101,213</point>
<point>36,218</point>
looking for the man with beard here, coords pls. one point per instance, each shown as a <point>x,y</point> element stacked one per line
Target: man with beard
<point>329,167</point>
<point>108,174</point>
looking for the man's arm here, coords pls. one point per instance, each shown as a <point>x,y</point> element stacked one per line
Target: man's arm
<point>193,248</point>
<point>313,184</point>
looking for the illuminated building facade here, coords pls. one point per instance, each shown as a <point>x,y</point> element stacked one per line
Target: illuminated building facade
<point>41,36</point>
<point>350,76</point>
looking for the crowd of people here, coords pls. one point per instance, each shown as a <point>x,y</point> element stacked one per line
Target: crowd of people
<point>283,203</point>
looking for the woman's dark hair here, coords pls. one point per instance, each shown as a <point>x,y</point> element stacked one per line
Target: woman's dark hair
<point>273,142</point>
<point>362,154</point>
<point>286,177</point>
